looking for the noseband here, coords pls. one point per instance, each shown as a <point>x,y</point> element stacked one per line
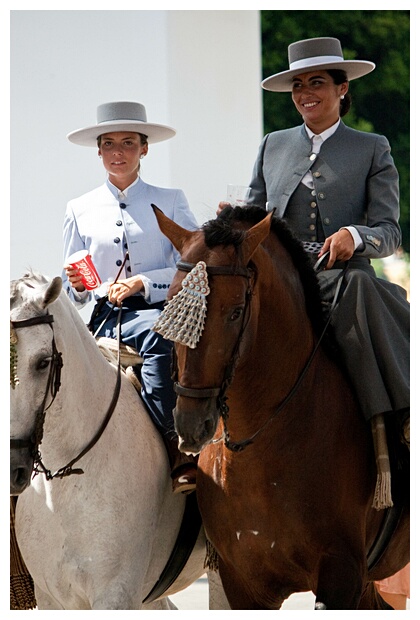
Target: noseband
<point>220,392</point>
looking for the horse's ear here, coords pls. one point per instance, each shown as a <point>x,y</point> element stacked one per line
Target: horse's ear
<point>52,291</point>
<point>175,233</point>
<point>255,236</point>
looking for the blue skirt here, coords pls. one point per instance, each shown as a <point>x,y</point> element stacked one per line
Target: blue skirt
<point>137,320</point>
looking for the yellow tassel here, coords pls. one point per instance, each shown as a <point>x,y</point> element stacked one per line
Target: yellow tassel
<point>22,594</point>
<point>211,561</point>
<point>382,497</point>
<point>14,379</point>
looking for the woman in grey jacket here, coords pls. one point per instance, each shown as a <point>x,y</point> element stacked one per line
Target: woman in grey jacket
<point>337,188</point>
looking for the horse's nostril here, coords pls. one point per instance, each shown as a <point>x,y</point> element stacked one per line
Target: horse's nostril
<point>20,477</point>
<point>208,426</point>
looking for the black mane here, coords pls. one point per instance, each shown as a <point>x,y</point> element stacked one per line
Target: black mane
<point>221,231</point>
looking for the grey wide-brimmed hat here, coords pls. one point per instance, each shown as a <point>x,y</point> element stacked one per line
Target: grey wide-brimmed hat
<point>311,54</point>
<point>121,116</point>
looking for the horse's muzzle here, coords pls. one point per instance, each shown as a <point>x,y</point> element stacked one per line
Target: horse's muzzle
<point>21,468</point>
<point>195,423</point>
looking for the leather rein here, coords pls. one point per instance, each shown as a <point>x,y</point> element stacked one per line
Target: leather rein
<point>220,392</point>
<point>53,386</point>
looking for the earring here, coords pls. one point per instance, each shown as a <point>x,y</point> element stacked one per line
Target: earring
<point>342,97</point>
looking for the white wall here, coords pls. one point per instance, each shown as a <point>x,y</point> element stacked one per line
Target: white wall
<point>198,71</point>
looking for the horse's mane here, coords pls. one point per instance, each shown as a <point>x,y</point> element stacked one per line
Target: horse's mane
<point>222,231</point>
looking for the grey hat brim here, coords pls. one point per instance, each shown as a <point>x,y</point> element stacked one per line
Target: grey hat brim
<point>282,82</point>
<point>88,135</point>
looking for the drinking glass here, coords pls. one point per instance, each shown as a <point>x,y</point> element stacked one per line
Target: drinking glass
<point>237,195</point>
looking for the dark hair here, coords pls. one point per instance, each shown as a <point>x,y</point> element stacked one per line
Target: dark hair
<point>339,77</point>
<point>143,139</point>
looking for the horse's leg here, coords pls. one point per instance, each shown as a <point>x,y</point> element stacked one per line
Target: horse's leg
<point>45,601</point>
<point>217,596</point>
<point>239,595</point>
<point>340,582</point>
<point>371,599</point>
<point>161,604</point>
<point>114,596</point>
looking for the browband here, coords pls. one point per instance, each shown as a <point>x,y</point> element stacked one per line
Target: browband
<point>36,320</point>
<point>222,270</point>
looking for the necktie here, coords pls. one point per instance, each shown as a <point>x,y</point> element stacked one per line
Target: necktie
<point>316,144</point>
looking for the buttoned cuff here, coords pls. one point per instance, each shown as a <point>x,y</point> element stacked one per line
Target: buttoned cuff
<point>154,291</point>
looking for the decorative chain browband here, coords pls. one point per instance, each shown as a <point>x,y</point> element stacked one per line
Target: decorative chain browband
<point>14,379</point>
<point>182,319</point>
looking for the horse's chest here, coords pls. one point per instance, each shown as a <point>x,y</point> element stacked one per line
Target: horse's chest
<point>244,511</point>
<point>238,509</point>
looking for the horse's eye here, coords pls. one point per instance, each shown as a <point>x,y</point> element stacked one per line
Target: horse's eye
<point>236,314</point>
<point>43,363</point>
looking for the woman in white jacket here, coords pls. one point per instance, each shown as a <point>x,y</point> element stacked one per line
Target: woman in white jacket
<point>116,224</point>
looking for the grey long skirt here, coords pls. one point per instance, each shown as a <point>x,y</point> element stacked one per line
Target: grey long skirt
<point>371,327</point>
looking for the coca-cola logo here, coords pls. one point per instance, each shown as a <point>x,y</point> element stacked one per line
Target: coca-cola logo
<point>90,278</point>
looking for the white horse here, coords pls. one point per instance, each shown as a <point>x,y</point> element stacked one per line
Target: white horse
<point>100,539</point>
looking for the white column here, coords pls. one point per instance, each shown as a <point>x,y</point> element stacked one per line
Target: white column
<point>198,71</point>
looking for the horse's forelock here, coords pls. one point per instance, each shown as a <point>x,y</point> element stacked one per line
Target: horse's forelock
<point>23,292</point>
<point>220,232</point>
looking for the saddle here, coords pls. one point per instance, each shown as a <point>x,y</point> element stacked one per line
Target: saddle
<point>129,357</point>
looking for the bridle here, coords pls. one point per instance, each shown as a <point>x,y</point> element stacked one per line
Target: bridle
<point>53,386</point>
<point>220,392</point>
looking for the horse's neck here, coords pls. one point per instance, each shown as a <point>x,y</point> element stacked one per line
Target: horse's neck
<point>285,335</point>
<point>87,385</point>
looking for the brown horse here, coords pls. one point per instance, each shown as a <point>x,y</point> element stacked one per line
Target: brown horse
<point>286,470</point>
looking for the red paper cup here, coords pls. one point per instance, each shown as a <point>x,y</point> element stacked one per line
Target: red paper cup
<point>82,261</point>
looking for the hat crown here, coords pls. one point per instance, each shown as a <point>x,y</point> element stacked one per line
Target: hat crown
<point>311,48</point>
<point>121,110</point>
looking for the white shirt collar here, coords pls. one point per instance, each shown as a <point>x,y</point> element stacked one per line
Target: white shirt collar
<point>123,193</point>
<point>325,134</point>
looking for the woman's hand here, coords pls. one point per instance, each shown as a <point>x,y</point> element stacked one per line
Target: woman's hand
<point>340,245</point>
<point>74,278</point>
<point>124,288</point>
<point>222,205</point>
